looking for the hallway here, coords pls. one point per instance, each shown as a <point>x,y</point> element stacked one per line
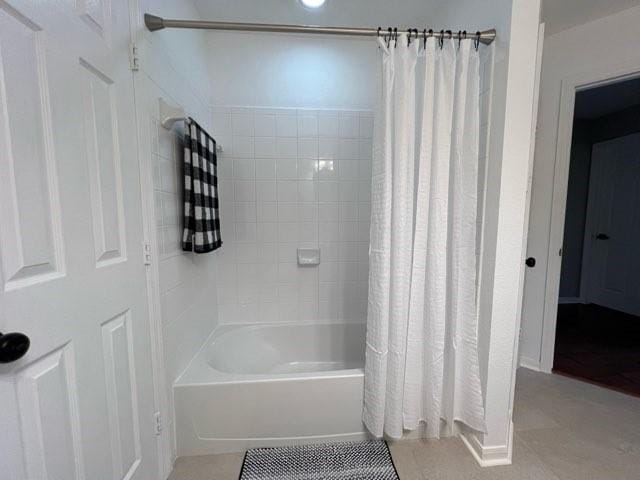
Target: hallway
<point>599,345</point>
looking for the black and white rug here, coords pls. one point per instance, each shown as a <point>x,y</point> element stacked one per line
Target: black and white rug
<point>369,460</point>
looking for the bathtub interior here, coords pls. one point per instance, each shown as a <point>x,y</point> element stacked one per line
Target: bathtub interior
<point>288,348</point>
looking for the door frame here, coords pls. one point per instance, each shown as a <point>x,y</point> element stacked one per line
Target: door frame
<point>570,85</point>
<point>162,406</point>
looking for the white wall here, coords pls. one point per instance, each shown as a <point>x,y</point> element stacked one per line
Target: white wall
<point>293,178</point>
<point>566,54</point>
<point>275,70</point>
<point>173,67</point>
<point>283,103</point>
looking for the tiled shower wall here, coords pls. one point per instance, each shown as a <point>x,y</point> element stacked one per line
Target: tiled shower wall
<point>293,178</point>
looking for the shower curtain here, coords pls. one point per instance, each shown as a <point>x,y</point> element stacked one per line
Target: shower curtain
<point>422,329</point>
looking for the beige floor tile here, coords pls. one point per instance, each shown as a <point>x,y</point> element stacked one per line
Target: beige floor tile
<point>404,460</point>
<point>208,467</point>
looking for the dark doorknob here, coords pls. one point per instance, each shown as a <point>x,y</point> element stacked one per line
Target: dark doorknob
<point>602,236</point>
<point>530,262</point>
<point>13,346</point>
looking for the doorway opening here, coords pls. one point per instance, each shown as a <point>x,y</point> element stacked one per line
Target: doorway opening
<point>598,322</point>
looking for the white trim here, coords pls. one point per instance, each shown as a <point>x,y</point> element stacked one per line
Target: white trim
<point>530,363</point>
<point>161,407</point>
<point>570,85</point>
<point>567,300</point>
<point>489,456</point>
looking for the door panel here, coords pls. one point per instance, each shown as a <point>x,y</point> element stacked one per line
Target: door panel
<point>79,405</point>
<point>614,239</point>
<point>30,237</point>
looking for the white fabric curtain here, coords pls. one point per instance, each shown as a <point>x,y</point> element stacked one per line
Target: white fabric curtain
<point>422,329</point>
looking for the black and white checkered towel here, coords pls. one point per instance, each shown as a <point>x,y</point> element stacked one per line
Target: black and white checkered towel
<point>201,219</point>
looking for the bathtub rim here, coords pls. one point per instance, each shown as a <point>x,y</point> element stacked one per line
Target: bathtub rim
<point>199,372</point>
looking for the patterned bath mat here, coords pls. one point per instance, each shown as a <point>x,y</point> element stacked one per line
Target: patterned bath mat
<point>369,460</point>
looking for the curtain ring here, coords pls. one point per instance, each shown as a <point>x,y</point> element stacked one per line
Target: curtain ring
<point>424,36</point>
<point>395,37</point>
<point>459,38</point>
<point>476,41</point>
<point>379,29</point>
<point>388,39</point>
<point>408,37</point>
<point>441,39</point>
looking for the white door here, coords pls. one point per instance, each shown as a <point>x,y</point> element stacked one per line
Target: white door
<point>528,300</point>
<point>79,405</point>
<point>613,237</point>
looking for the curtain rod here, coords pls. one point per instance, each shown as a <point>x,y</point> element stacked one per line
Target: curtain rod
<point>154,23</point>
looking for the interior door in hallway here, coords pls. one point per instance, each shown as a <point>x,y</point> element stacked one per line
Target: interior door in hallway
<point>79,405</point>
<point>612,258</point>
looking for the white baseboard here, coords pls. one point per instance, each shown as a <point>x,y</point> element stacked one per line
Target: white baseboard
<point>491,456</point>
<point>530,363</point>
<point>564,300</point>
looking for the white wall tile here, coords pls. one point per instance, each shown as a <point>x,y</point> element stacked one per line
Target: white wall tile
<point>243,147</point>
<point>265,125</point>
<point>307,191</point>
<point>287,126</point>
<point>287,169</point>
<point>307,169</point>
<point>349,126</point>
<point>349,149</point>
<point>266,211</point>
<point>287,191</point>
<point>366,127</point>
<point>245,232</point>
<point>244,169</point>
<point>327,169</point>
<point>265,147</point>
<point>243,124</point>
<point>287,147</point>
<point>308,148</point>
<point>328,125</point>
<point>245,191</point>
<point>328,148</point>
<point>266,191</point>
<point>268,231</point>
<point>290,179</point>
<point>307,125</point>
<point>265,169</point>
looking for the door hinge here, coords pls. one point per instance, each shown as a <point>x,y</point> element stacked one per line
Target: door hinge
<point>134,58</point>
<point>158,423</point>
<point>146,253</point>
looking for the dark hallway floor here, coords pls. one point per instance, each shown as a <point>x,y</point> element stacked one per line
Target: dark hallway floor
<point>598,345</point>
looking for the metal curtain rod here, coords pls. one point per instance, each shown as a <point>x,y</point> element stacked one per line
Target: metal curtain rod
<point>154,23</point>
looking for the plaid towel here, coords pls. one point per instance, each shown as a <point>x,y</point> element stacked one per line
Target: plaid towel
<point>201,219</point>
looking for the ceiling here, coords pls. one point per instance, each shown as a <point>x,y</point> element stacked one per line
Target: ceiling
<point>600,101</point>
<point>562,14</point>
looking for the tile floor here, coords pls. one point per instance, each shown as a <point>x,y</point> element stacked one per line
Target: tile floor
<point>564,430</point>
<point>600,345</point>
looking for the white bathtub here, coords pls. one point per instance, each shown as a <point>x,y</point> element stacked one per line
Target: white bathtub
<point>268,385</point>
